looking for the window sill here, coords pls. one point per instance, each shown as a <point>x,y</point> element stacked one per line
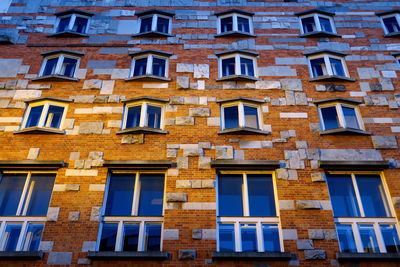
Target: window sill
<point>39,130</point>
<point>393,34</point>
<point>137,130</point>
<point>128,255</point>
<point>319,34</point>
<point>235,34</point>
<point>345,131</point>
<point>68,34</point>
<point>148,78</point>
<point>243,130</point>
<point>152,34</point>
<point>21,255</point>
<point>276,256</point>
<point>238,78</point>
<point>332,78</point>
<point>55,77</point>
<point>348,256</point>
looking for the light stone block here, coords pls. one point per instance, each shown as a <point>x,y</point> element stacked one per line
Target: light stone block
<point>173,172</point>
<point>184,121</point>
<point>214,121</point>
<point>72,172</point>
<point>27,94</point>
<point>46,246</point>
<point>292,115</point>
<point>52,214</point>
<point>107,87</point>
<point>10,119</point>
<point>95,214</point>
<point>155,85</point>
<point>33,153</point>
<point>182,162</point>
<point>97,187</point>
<point>204,163</point>
<point>171,234</point>
<point>289,234</point>
<point>88,246</point>
<point>199,206</point>
<point>201,71</point>
<point>308,205</point>
<point>91,127</point>
<point>286,204</point>
<point>73,216</point>
<point>303,244</point>
<point>209,234</point>
<point>114,123</point>
<point>59,258</point>
<point>176,197</point>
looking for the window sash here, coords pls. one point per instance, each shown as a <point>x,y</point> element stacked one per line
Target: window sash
<point>72,19</point>
<point>317,23</point>
<point>143,113</point>
<point>327,64</point>
<point>58,68</point>
<point>149,65</point>
<point>43,115</point>
<point>237,64</point>
<point>397,17</point>
<point>154,22</point>
<point>22,241</point>
<point>241,118</point>
<point>235,28</point>
<point>341,118</point>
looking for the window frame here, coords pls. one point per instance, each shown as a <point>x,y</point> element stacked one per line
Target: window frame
<point>237,57</point>
<point>60,59</point>
<point>235,28</point>
<point>329,70</point>
<point>241,115</point>
<point>149,66</point>
<point>154,21</point>
<point>397,17</point>
<point>71,24</point>
<point>143,113</point>
<point>339,111</point>
<point>318,27</point>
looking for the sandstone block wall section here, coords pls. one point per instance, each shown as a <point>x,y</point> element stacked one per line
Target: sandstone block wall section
<point>192,117</point>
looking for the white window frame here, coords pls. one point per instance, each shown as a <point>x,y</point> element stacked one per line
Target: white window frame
<point>328,66</point>
<point>362,220</point>
<point>237,57</point>
<point>60,60</point>
<point>143,113</point>
<point>317,23</point>
<point>149,66</point>
<point>242,119</point>
<point>246,219</point>
<point>235,27</point>
<point>46,104</point>
<point>396,16</point>
<point>339,112</point>
<point>155,17</point>
<point>71,24</point>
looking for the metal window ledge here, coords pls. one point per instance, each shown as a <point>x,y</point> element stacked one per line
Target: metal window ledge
<point>243,130</point>
<point>21,255</point>
<point>144,130</point>
<point>245,164</point>
<point>319,34</point>
<point>31,163</point>
<point>152,34</point>
<point>39,130</point>
<point>354,165</point>
<point>235,34</point>
<point>68,34</point>
<point>56,78</point>
<point>128,255</point>
<point>345,131</point>
<point>138,163</point>
<point>393,34</point>
<point>238,78</point>
<point>148,78</point>
<point>245,256</point>
<point>347,256</point>
<point>331,78</point>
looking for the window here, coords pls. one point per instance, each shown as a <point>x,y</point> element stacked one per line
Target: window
<point>155,23</point>
<point>397,56</point>
<point>235,23</point>
<point>150,65</point>
<point>364,218</point>
<point>72,23</point>
<point>24,200</point>
<point>317,23</point>
<point>132,212</point>
<point>247,213</point>
<point>391,22</point>
<point>237,65</point>
<point>60,65</point>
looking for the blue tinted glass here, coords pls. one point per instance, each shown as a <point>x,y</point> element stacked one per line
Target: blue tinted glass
<point>261,195</point>
<point>373,196</point>
<point>158,67</point>
<point>151,194</point>
<point>34,117</point>
<point>391,24</point>
<point>152,237</point>
<point>40,189</point>
<point>249,237</point>
<point>145,24</point>
<point>68,67</point>
<point>346,238</point>
<point>271,238</point>
<point>108,237</point>
<point>230,195</point>
<point>227,24</point>
<point>350,118</point>
<point>228,66</point>
<point>153,116</point>
<point>391,238</point>
<point>330,118</point>
<point>131,235</point>
<point>140,67</point>
<point>243,25</point>
<point>226,237</point>
<point>251,117</point>
<point>54,116</point>
<point>231,115</point>
<point>342,195</point>
<point>63,25</point>
<point>308,24</point>
<point>162,25</point>
<point>325,24</point>
<point>11,186</point>
<point>33,237</point>
<point>318,67</point>
<point>246,66</point>
<point>337,67</point>
<point>133,117</point>
<point>120,195</point>
<point>50,67</point>
<point>368,238</point>
<point>80,25</point>
<point>12,235</point>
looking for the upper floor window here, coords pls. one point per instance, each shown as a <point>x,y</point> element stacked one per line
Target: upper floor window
<point>237,65</point>
<point>150,65</point>
<point>391,22</point>
<point>317,23</point>
<point>72,23</point>
<point>235,23</point>
<point>155,23</point>
<point>397,56</point>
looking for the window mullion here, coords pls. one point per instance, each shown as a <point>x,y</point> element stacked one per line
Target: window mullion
<point>136,195</point>
<point>237,65</point>
<point>125,117</point>
<point>143,115</point>
<point>21,201</point>
<point>245,196</point>
<point>43,115</point>
<point>317,23</point>
<point>60,61</point>
<point>149,66</point>
<point>360,206</point>
<point>357,237</point>
<point>2,235</point>
<point>328,65</point>
<point>242,121</point>
<point>379,238</point>
<point>238,237</point>
<point>21,238</point>
<point>235,23</point>
<point>141,237</point>
<point>339,111</point>
<point>154,22</point>
<point>28,197</point>
<point>71,22</point>
<point>119,238</point>
<point>260,239</point>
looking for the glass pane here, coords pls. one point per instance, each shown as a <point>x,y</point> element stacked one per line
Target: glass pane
<point>226,237</point>
<point>350,117</point>
<point>39,193</point>
<point>228,66</point>
<point>346,238</point>
<point>325,24</point>
<point>50,67</point>
<point>337,67</point>
<point>368,238</point>
<point>80,25</point>
<point>330,118</point>
<point>343,198</point>
<point>249,237</point>
<point>152,237</point>
<point>230,195</point>
<point>261,195</point>
<point>140,67</point>
<point>308,25</point>
<point>373,196</point>
<point>11,186</point>
<point>243,25</point>
<point>227,24</point>
<point>231,115</point>
<point>251,117</point>
<point>120,195</point>
<point>108,237</point>
<point>54,116</point>
<point>391,238</point>
<point>34,117</point>
<point>153,116</point>
<point>145,24</point>
<point>318,67</point>
<point>131,235</point>
<point>33,237</point>
<point>158,67</point>
<point>68,67</point>
<point>391,24</point>
<point>271,238</point>
<point>133,117</point>
<point>162,25</point>
<point>63,25</point>
<point>11,236</point>
<point>151,194</point>
<point>246,66</point>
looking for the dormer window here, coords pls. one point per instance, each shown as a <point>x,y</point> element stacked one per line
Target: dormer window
<point>237,65</point>
<point>72,23</point>
<point>155,23</point>
<point>150,65</point>
<point>391,22</point>
<point>235,23</point>
<point>317,23</point>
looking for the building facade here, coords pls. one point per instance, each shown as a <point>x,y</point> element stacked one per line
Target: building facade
<point>199,132</point>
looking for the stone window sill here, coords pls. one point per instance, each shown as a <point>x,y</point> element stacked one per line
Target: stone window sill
<point>243,130</point>
<point>51,78</point>
<point>332,78</point>
<point>319,34</point>
<point>348,256</point>
<point>68,34</point>
<point>238,78</point>
<point>21,255</point>
<point>152,34</point>
<point>235,34</point>
<point>393,34</point>
<point>345,131</point>
<point>276,256</point>
<point>39,130</point>
<point>128,255</point>
<point>139,130</point>
<point>148,78</point>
